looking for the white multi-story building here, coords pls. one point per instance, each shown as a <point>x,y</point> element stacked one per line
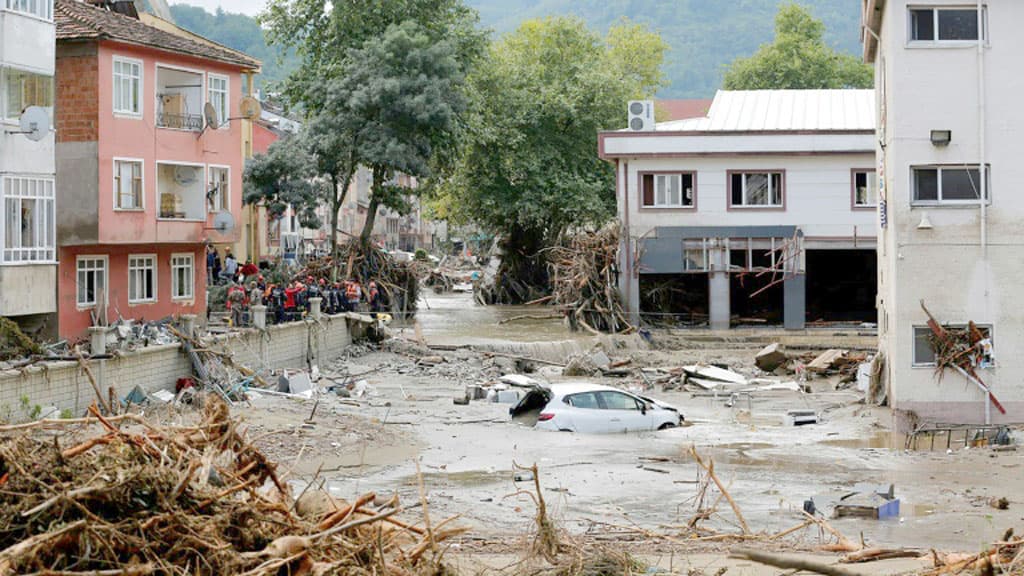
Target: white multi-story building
<point>28,257</point>
<point>949,83</point>
<point>762,211</point>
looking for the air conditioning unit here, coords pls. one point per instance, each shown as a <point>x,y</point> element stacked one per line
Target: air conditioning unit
<point>641,115</point>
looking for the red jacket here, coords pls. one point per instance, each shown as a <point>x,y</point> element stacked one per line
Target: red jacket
<point>289,296</point>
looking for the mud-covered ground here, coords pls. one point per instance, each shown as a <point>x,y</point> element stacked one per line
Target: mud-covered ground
<point>601,484</point>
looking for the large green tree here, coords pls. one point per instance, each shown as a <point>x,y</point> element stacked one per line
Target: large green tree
<point>798,58</point>
<point>324,32</point>
<point>395,103</point>
<point>528,167</point>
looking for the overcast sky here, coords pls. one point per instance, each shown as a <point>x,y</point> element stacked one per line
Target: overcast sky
<point>250,7</point>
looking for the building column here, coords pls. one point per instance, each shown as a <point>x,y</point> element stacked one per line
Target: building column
<point>794,302</point>
<point>719,307</point>
<point>629,281</point>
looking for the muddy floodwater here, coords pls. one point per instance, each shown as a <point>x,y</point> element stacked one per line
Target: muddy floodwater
<point>466,453</point>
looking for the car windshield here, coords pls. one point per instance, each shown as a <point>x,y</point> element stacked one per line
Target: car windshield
<point>582,400</point>
<point>618,401</point>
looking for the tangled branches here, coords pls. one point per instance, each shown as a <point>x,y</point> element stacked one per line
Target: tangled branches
<point>584,277</point>
<point>179,500</point>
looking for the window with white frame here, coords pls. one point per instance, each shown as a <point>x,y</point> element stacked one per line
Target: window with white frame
<point>667,190</point>
<point>39,8</point>
<point>924,351</point>
<point>91,280</point>
<point>182,276</point>
<point>217,94</point>
<point>756,189</point>
<point>128,184</point>
<point>942,24</point>
<point>127,86</point>
<point>865,189</point>
<point>218,189</point>
<point>27,230</point>
<point>141,279</point>
<point>23,89</point>
<point>949,184</point>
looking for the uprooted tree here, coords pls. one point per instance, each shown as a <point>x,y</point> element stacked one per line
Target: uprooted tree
<point>528,167</point>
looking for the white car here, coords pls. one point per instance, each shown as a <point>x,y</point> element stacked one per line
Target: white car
<point>595,409</point>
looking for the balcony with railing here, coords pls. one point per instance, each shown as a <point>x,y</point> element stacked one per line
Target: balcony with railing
<point>179,99</point>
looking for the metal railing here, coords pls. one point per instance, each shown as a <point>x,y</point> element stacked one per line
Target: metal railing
<point>193,122</point>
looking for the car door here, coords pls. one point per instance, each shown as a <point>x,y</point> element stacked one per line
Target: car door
<point>625,412</point>
<point>585,414</point>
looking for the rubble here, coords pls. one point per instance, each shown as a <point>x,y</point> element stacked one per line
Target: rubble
<point>770,357</point>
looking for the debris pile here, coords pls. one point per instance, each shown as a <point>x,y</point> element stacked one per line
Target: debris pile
<point>962,350</point>
<point>584,278</point>
<point>147,499</point>
<point>15,343</point>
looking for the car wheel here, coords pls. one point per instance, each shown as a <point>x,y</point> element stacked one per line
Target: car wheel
<point>666,426</point>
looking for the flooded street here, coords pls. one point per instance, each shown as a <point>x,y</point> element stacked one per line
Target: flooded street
<point>595,482</point>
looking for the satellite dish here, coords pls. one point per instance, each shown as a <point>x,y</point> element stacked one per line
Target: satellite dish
<point>250,108</point>
<point>185,175</point>
<point>223,222</point>
<point>210,114</point>
<point>34,123</point>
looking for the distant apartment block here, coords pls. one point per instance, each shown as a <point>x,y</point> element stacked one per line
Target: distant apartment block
<point>760,212</point>
<point>949,142</point>
<point>28,251</point>
<point>148,179</point>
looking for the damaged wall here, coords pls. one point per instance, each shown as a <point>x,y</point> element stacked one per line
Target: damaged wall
<point>64,385</point>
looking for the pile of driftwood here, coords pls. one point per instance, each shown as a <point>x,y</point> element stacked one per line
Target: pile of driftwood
<point>584,280</point>
<point>120,495</point>
<point>398,282</point>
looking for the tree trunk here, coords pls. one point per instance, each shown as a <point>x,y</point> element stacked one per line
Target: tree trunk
<point>337,199</point>
<point>371,211</point>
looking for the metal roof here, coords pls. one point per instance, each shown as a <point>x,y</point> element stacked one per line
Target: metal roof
<point>782,110</point>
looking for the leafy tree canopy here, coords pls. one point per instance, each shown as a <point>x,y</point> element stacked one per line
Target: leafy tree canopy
<point>798,58</point>
<point>324,33</point>
<point>528,167</point>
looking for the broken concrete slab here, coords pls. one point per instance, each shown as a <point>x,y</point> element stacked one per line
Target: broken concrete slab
<point>297,382</point>
<point>770,357</point>
<point>600,359</point>
<point>519,380</point>
<point>715,373</point>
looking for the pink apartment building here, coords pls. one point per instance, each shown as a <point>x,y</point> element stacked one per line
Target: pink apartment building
<point>140,176</point>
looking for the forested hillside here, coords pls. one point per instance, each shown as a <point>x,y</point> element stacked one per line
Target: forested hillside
<point>704,35</point>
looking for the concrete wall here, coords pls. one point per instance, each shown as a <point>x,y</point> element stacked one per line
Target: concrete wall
<point>924,88</point>
<point>65,386</point>
<point>26,42</point>
<point>28,289</point>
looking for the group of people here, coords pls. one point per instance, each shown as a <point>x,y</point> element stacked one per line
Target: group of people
<point>230,270</point>
<point>286,303</point>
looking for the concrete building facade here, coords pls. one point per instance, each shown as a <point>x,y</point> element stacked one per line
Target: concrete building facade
<point>948,85</point>
<point>150,179</point>
<point>760,212</point>
<point>28,254</point>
